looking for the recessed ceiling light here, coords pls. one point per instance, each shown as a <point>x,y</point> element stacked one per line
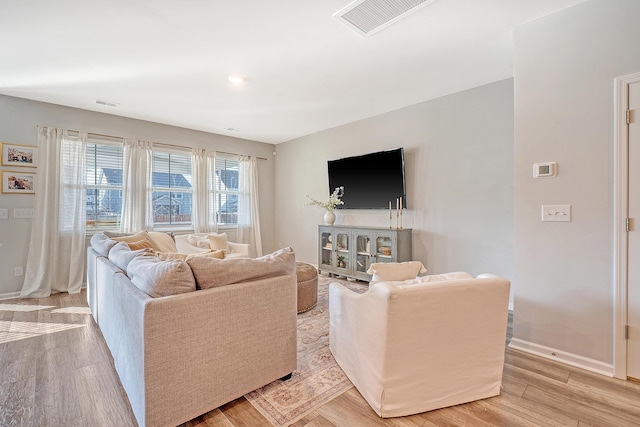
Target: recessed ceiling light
<point>237,80</point>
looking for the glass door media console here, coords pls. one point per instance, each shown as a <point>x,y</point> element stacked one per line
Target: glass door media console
<point>349,251</point>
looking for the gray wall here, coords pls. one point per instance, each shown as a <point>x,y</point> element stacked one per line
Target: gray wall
<point>473,203</point>
<point>564,67</point>
<point>459,173</point>
<point>18,121</point>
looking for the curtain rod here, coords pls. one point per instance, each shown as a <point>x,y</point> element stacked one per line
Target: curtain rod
<point>154,143</point>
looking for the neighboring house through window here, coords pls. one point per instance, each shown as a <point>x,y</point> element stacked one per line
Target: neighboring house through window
<point>226,190</point>
<point>171,187</point>
<point>172,195</point>
<point>104,185</point>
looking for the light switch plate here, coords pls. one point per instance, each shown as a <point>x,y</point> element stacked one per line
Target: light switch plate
<point>4,213</point>
<point>557,213</point>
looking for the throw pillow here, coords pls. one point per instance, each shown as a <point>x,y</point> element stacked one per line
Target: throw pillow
<point>159,278</point>
<point>211,272</point>
<point>121,254</point>
<point>102,244</point>
<point>163,242</point>
<point>129,238</point>
<point>175,255</point>
<point>198,241</point>
<point>184,247</point>
<point>218,241</point>
<point>395,271</point>
<point>145,243</point>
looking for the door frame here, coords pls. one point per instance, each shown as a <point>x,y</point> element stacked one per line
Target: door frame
<point>620,212</point>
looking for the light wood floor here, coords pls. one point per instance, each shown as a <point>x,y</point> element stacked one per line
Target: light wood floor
<point>54,377</point>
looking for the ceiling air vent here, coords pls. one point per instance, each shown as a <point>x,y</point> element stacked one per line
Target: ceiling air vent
<point>366,17</point>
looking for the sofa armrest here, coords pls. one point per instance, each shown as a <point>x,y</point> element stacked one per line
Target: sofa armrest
<point>121,320</point>
<point>208,347</point>
<point>239,248</point>
<point>357,321</point>
<point>92,281</point>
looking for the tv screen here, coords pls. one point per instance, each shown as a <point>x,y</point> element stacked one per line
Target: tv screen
<point>370,181</point>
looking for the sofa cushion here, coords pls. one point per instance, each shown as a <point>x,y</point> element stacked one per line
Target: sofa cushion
<point>395,271</point>
<point>121,254</point>
<point>211,272</point>
<point>158,278</point>
<point>219,254</point>
<point>102,244</point>
<point>163,242</point>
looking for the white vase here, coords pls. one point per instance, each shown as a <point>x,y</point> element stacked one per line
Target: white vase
<point>329,217</point>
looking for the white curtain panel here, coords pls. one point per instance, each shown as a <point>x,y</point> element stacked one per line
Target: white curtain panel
<point>136,186</point>
<point>202,183</point>
<point>56,251</point>
<point>248,218</point>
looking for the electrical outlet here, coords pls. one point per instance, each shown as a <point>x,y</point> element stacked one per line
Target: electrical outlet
<point>560,213</point>
<point>23,212</point>
<point>18,271</point>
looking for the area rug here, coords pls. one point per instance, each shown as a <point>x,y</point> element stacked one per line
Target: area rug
<point>318,378</point>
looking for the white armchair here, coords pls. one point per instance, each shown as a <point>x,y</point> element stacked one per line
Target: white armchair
<point>421,344</point>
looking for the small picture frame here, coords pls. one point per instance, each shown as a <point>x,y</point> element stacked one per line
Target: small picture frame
<point>18,182</point>
<point>19,155</point>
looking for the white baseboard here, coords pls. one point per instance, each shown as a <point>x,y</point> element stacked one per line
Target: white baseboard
<point>10,295</point>
<point>563,357</point>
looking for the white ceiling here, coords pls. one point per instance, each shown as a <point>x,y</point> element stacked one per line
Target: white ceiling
<point>167,61</point>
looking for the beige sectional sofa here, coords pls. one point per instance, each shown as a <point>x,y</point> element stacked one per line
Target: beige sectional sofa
<point>179,356</point>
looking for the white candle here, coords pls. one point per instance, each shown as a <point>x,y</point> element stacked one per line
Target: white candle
<point>390,214</point>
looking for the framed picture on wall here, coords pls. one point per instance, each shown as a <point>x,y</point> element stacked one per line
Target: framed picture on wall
<point>18,182</point>
<point>19,155</point>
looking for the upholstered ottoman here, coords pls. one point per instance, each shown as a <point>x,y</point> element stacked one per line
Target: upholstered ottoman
<point>307,286</point>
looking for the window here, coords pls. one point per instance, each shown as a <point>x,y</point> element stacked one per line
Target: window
<point>171,181</point>
<point>226,190</point>
<point>104,185</point>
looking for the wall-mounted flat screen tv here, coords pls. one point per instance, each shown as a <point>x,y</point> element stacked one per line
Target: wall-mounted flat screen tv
<point>370,181</point>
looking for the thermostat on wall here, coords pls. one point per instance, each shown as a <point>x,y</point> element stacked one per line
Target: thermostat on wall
<point>545,169</point>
